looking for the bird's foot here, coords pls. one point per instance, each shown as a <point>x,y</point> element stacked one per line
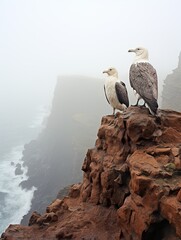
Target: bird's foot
<point>127,115</point>
<point>143,106</point>
<point>113,112</point>
<point>135,105</point>
<point>112,122</point>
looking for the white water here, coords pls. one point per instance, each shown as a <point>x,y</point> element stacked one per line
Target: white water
<point>15,202</point>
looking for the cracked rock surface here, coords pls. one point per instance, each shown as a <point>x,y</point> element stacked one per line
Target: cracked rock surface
<point>131,187</point>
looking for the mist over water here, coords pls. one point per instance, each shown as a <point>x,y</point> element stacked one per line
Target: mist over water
<point>43,39</point>
<point>15,202</point>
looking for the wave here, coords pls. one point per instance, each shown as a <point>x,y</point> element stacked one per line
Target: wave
<point>15,202</point>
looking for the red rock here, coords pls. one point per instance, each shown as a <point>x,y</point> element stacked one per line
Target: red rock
<point>175,151</point>
<point>170,208</point>
<point>54,206</point>
<point>47,218</point>
<point>162,150</point>
<point>34,217</point>
<point>170,135</point>
<point>75,190</point>
<point>144,163</point>
<point>130,189</point>
<point>179,196</point>
<point>178,162</point>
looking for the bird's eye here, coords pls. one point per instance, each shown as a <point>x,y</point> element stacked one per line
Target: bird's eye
<point>110,69</point>
<point>138,48</point>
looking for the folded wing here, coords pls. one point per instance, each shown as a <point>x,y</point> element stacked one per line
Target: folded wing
<point>121,93</point>
<point>143,80</point>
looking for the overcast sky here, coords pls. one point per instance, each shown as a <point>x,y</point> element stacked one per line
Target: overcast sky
<point>41,39</point>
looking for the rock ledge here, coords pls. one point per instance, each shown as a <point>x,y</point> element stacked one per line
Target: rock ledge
<point>131,188</point>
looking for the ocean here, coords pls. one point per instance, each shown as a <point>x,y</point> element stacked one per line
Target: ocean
<point>15,131</point>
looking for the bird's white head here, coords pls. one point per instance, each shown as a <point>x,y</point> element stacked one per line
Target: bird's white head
<point>141,54</point>
<point>111,72</point>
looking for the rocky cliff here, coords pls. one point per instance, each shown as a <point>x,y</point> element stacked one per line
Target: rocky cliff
<point>54,159</point>
<point>131,187</point>
<point>172,89</point>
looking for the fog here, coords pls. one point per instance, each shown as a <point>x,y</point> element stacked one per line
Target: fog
<point>41,39</point>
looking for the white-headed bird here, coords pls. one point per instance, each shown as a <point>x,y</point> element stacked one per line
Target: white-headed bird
<point>115,91</point>
<point>143,79</point>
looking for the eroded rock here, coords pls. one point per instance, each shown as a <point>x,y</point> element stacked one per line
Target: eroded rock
<point>131,188</point>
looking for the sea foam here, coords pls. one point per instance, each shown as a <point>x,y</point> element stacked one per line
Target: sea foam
<point>15,202</point>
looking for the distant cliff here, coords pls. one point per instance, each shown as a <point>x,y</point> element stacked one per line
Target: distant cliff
<point>172,89</point>
<point>131,188</point>
<point>54,159</point>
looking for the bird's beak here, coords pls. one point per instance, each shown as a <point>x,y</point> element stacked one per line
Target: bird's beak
<point>106,71</point>
<point>131,50</point>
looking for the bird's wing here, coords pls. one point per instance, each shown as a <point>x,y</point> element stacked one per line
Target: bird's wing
<point>106,94</point>
<point>154,80</point>
<point>143,79</point>
<point>121,93</point>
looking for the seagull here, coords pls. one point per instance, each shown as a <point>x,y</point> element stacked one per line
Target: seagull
<point>143,79</point>
<point>115,91</point>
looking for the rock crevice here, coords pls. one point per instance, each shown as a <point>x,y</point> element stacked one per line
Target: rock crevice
<point>131,187</point>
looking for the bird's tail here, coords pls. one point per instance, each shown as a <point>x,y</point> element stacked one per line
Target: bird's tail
<point>153,105</point>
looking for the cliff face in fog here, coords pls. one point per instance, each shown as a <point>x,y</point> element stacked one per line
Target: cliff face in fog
<point>54,159</point>
<point>172,89</point>
<point>131,188</point>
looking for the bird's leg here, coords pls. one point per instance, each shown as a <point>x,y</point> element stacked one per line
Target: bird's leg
<point>144,105</point>
<point>114,113</point>
<point>136,103</point>
<point>111,122</point>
